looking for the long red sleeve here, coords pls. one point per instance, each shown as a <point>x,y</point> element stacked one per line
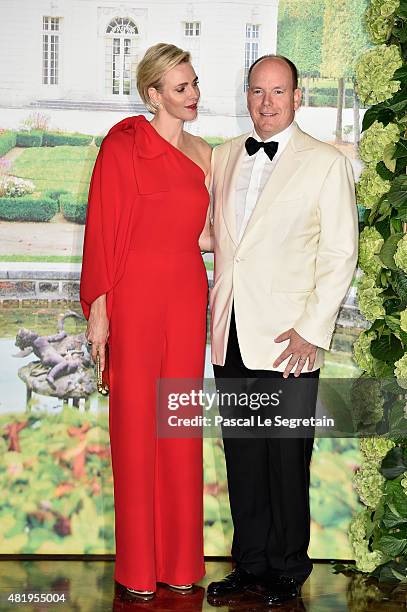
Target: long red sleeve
<point>108,219</point>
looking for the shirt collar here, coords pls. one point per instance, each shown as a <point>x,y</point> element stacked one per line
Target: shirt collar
<point>282,137</point>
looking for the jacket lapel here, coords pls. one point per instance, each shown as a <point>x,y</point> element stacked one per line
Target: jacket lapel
<point>285,171</point>
<point>233,163</point>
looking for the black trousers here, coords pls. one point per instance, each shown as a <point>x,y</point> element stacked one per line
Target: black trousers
<point>268,477</point>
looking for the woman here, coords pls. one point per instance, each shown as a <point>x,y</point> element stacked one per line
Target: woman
<point>144,289</point>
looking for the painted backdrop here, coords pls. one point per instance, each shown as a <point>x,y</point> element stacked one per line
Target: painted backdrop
<point>69,80</point>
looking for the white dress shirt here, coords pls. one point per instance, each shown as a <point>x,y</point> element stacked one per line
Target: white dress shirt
<point>255,170</point>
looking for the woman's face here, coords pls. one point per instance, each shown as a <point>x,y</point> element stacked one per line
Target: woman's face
<point>179,93</point>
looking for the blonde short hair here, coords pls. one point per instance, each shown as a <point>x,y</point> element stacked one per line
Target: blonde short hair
<point>156,62</point>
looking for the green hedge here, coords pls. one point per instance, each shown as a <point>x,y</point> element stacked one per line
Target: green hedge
<point>54,139</point>
<point>98,140</point>
<point>29,139</point>
<point>322,99</point>
<point>330,91</point>
<point>72,209</point>
<point>28,208</point>
<point>7,142</point>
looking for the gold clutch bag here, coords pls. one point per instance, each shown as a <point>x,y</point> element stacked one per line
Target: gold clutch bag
<point>102,378</point>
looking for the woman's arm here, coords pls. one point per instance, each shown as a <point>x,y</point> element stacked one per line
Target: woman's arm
<point>206,239</point>
<point>98,328</point>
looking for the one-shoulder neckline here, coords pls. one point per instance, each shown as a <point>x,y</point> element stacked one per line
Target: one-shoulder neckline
<point>175,148</point>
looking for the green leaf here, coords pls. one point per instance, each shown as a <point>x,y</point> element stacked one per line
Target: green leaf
<point>394,463</point>
<point>400,74</point>
<point>385,115</point>
<point>382,369</point>
<point>385,574</point>
<point>388,249</point>
<point>401,165</point>
<point>396,497</point>
<point>402,11</point>
<point>398,102</point>
<point>370,117</point>
<point>391,546</point>
<point>402,212</point>
<point>400,33</point>
<point>378,325</point>
<point>393,322</point>
<point>399,284</point>
<point>371,220</point>
<point>337,407</point>
<point>388,157</point>
<point>385,210</point>
<point>395,225</point>
<point>399,575</point>
<point>384,278</point>
<point>387,348</point>
<point>391,520</point>
<point>397,194</point>
<point>383,228</point>
<point>400,149</point>
<point>384,172</point>
<point>397,419</point>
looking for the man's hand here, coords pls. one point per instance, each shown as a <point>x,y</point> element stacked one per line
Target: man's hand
<point>300,351</point>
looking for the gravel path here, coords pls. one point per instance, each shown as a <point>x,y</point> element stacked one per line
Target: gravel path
<point>14,153</point>
<point>32,238</point>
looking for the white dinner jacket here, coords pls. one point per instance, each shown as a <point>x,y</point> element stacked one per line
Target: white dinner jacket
<point>297,256</point>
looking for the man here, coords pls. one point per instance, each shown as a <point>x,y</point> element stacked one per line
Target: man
<point>285,227</point>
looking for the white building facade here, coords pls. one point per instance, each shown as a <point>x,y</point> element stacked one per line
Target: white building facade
<point>60,52</point>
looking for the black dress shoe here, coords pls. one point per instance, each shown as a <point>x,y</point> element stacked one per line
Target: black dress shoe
<point>236,582</point>
<point>281,589</point>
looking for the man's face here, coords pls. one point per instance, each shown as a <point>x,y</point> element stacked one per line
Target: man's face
<point>271,98</point>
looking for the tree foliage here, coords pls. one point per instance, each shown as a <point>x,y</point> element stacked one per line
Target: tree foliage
<point>299,36</point>
<point>344,37</point>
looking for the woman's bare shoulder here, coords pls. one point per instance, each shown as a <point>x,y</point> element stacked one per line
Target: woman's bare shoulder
<point>196,142</point>
<point>203,149</point>
<point>201,144</point>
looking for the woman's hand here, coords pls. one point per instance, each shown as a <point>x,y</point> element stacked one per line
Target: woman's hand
<point>206,239</point>
<point>97,331</point>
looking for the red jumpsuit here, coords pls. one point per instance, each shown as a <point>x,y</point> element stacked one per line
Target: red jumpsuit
<point>147,208</point>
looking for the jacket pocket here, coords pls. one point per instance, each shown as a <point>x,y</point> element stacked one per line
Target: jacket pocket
<point>293,291</point>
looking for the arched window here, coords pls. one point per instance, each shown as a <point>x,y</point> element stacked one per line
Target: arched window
<point>121,35</point>
<point>121,25</point>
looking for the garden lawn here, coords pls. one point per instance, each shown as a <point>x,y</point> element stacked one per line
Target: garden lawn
<point>42,258</point>
<point>57,168</point>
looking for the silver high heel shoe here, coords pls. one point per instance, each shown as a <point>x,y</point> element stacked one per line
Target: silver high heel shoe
<point>181,587</point>
<point>139,593</point>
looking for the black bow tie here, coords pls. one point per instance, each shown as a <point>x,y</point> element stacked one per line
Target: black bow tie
<point>252,146</point>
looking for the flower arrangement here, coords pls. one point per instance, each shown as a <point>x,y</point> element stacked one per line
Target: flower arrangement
<point>380,19</point>
<point>371,303</point>
<point>370,244</point>
<point>371,187</point>
<point>374,74</point>
<point>361,351</point>
<point>378,534</point>
<point>376,141</point>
